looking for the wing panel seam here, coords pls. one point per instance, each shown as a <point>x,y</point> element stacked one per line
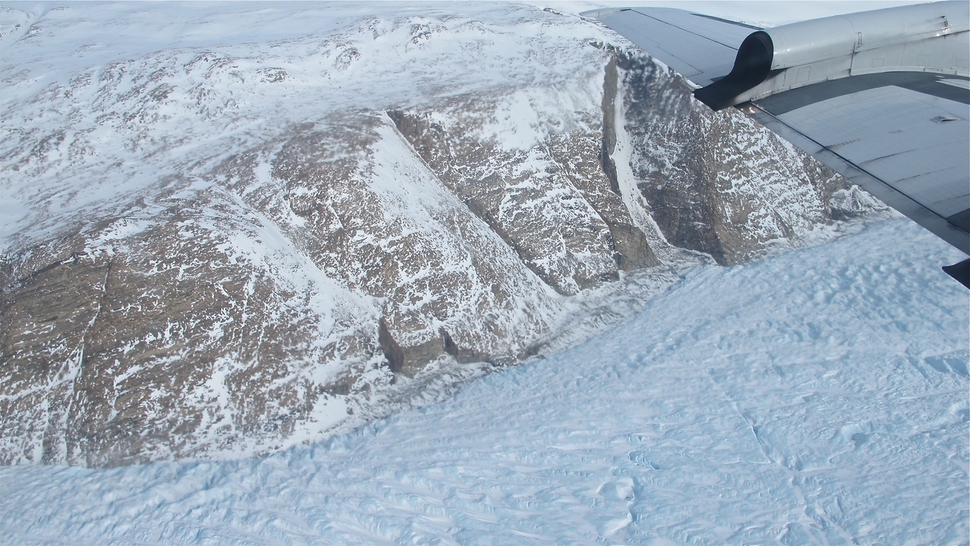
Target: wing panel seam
<point>708,38</point>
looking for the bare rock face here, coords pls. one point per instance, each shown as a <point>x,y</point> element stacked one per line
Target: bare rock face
<point>549,200</point>
<point>369,214</point>
<point>227,252</point>
<point>109,343</point>
<point>716,182</point>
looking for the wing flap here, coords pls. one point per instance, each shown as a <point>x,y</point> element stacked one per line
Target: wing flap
<point>913,142</point>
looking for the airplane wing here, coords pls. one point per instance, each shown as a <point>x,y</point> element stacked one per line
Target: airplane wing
<point>699,47</point>
<point>882,97</point>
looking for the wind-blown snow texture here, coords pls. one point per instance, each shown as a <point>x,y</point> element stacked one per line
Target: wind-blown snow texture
<point>817,397</point>
<point>231,228</point>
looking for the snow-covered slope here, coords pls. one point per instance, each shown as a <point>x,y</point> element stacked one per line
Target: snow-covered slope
<point>817,397</point>
<point>231,228</point>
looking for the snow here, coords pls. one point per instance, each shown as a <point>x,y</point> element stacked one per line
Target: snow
<point>820,396</point>
<point>817,397</point>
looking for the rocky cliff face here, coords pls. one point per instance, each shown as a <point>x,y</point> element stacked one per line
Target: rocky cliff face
<point>225,249</point>
<point>722,185</point>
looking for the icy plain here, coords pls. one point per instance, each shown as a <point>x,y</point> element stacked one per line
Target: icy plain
<point>817,397</point>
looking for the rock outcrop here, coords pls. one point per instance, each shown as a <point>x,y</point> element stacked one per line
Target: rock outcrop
<point>226,251</point>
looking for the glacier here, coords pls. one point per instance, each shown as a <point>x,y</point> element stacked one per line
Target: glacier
<point>815,397</point>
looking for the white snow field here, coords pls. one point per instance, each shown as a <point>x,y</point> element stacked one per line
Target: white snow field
<point>817,397</point>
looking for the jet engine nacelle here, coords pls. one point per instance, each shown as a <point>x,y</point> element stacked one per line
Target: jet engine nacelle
<point>922,38</point>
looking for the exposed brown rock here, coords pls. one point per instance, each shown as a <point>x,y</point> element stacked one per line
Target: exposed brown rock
<point>226,311</point>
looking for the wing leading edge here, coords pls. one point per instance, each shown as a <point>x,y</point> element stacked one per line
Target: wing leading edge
<point>882,97</point>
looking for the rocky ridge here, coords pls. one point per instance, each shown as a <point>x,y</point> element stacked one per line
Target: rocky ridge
<point>226,249</point>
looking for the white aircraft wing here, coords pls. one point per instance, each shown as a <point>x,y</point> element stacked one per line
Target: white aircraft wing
<point>699,47</point>
<point>882,97</point>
